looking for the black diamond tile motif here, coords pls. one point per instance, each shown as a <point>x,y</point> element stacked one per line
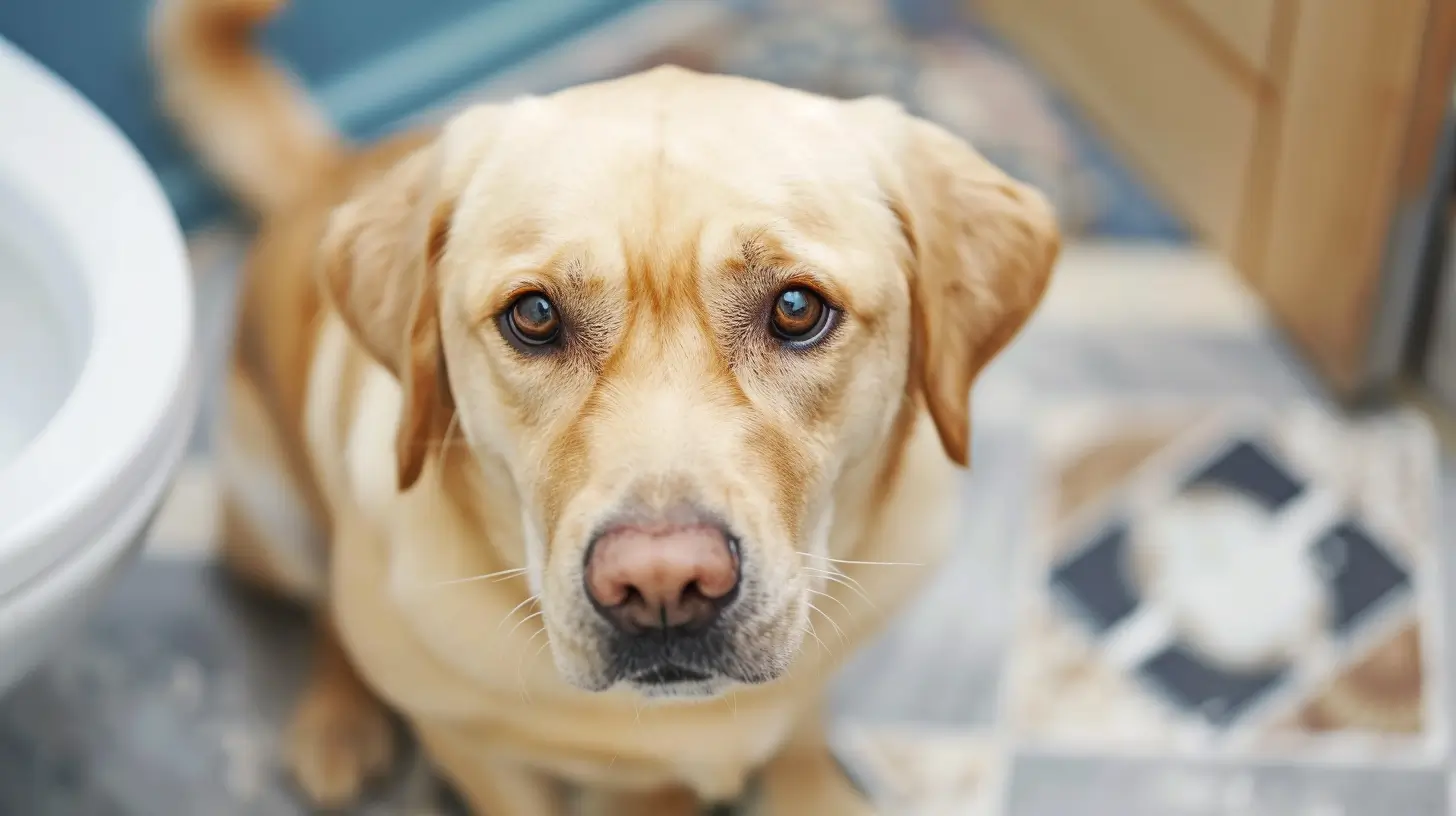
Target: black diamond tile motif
<point>1358,571</point>
<point>1190,682</point>
<point>1249,470</point>
<point>1096,580</point>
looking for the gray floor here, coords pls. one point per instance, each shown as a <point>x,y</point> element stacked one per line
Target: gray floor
<point>172,700</point>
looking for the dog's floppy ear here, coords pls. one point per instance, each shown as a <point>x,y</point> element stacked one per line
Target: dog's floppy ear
<point>378,265</point>
<point>981,250</point>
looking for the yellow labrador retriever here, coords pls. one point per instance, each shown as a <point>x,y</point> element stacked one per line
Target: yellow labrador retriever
<point>591,420</point>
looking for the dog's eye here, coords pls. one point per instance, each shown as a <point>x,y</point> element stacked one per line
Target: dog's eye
<point>532,321</point>
<point>800,317</point>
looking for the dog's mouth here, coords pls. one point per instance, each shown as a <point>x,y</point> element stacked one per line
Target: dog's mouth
<point>677,663</point>
<point>668,674</point>
<point>674,681</point>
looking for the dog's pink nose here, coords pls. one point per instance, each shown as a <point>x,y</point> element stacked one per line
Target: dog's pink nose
<point>644,578</point>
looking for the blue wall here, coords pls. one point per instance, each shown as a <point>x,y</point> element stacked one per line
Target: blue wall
<point>370,62</point>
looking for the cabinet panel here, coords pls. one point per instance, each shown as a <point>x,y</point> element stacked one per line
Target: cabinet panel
<point>1181,118</point>
<point>1246,26</point>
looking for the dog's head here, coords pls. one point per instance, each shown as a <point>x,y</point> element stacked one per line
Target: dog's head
<point>677,310</point>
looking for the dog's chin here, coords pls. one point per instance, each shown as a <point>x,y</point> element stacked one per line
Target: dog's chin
<point>669,682</point>
<point>666,683</point>
<point>672,683</point>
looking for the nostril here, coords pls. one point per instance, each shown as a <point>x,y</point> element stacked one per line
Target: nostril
<point>717,576</point>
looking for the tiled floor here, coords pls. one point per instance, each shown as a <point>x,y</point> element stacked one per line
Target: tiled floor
<point>172,702</point>
<point>1025,685</point>
<point>991,695</point>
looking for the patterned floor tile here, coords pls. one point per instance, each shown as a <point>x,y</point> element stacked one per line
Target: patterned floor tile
<point>1233,583</point>
<point>926,772</point>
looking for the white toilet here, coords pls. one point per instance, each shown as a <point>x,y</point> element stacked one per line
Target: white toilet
<point>98,380</point>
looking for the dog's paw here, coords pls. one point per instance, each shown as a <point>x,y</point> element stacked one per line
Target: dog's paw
<point>338,743</point>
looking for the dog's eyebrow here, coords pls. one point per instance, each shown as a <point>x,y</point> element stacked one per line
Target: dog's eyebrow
<point>516,237</point>
<point>761,249</point>
<point>558,279</point>
<point>762,258</point>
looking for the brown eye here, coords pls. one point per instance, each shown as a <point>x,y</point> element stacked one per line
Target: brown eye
<point>800,317</point>
<point>532,321</point>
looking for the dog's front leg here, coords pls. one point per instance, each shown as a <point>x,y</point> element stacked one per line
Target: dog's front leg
<point>804,778</point>
<point>490,787</point>
<point>340,737</point>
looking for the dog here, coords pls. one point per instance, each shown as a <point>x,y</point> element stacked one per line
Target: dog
<point>598,427</point>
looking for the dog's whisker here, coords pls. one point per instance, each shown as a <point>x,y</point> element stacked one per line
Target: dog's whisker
<point>850,578</point>
<point>538,613</point>
<point>490,576</point>
<point>843,580</point>
<point>514,610</point>
<point>521,667</point>
<point>842,604</point>
<point>861,563</point>
<point>842,574</point>
<point>810,631</point>
<point>843,583</point>
<point>539,633</point>
<point>842,638</point>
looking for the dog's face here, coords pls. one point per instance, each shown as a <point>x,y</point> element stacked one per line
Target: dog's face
<point>678,310</point>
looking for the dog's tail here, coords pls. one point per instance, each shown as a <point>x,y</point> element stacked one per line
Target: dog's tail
<point>247,118</point>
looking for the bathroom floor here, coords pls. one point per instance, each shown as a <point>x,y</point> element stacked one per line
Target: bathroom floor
<point>1043,672</point>
<point>1288,657</point>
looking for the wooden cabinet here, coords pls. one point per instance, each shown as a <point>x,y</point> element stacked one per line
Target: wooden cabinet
<point>1245,26</point>
<point>1298,137</point>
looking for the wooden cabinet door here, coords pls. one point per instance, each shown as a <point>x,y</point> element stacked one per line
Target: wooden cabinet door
<point>1298,137</point>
